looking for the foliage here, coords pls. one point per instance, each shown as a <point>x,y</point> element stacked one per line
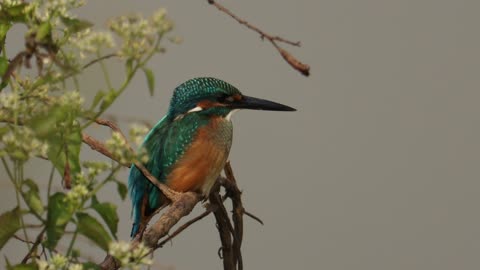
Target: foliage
<point>44,115</point>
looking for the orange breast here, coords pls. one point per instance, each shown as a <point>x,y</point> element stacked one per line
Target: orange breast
<point>201,164</point>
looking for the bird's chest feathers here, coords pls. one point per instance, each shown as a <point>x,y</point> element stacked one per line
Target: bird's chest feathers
<point>204,159</point>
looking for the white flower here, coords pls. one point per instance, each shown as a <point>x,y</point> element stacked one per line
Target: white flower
<point>137,133</point>
<point>42,265</point>
<point>59,261</point>
<point>128,257</point>
<point>75,267</point>
<point>21,144</point>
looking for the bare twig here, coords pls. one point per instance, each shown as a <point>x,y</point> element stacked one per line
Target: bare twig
<point>98,146</point>
<point>291,60</point>
<point>169,193</point>
<point>22,240</point>
<point>253,217</point>
<point>38,240</point>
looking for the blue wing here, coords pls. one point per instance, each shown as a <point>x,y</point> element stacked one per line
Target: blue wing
<point>165,144</point>
<point>144,195</point>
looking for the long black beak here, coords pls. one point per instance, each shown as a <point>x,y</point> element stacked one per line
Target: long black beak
<point>252,103</point>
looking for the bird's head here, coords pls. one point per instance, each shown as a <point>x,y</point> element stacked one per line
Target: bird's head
<point>215,97</point>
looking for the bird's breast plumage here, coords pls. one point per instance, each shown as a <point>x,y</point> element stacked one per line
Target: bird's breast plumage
<point>203,159</point>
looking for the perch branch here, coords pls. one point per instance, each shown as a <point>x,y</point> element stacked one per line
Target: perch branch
<point>181,207</point>
<point>183,227</point>
<point>223,225</point>
<point>291,60</point>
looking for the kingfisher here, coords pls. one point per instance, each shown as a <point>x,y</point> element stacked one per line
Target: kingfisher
<point>189,146</point>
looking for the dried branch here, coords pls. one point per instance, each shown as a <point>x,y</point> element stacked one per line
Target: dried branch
<point>183,227</point>
<point>291,60</point>
<point>179,208</point>
<point>223,226</point>
<point>253,217</point>
<point>98,146</point>
<point>237,214</point>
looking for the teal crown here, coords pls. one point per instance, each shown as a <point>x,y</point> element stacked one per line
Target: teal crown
<point>188,94</point>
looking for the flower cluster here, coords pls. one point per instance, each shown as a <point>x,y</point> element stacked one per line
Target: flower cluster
<point>21,144</point>
<point>94,168</point>
<point>72,99</point>
<point>48,9</point>
<point>122,152</point>
<point>137,133</point>
<point>76,195</point>
<point>58,262</point>
<point>119,148</point>
<point>131,257</point>
<point>91,42</point>
<point>138,34</point>
<point>9,105</point>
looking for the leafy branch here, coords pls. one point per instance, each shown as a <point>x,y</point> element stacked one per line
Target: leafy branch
<point>41,117</point>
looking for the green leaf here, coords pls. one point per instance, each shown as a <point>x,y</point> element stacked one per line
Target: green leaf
<point>14,13</point>
<point>10,223</point>
<point>4,27</point>
<point>96,100</point>
<point>58,216</point>
<point>67,148</point>
<point>91,266</point>
<point>30,266</point>
<point>3,65</point>
<point>76,25</point>
<point>45,125</point>
<point>64,142</point>
<point>129,67</point>
<point>108,99</point>
<point>108,212</point>
<point>4,130</point>
<point>122,189</point>
<point>89,227</point>
<point>150,80</point>
<point>32,197</point>
<point>43,31</point>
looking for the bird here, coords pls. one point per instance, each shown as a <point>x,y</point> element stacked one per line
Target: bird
<point>189,146</point>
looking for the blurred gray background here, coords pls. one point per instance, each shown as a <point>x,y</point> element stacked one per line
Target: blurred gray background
<point>378,169</point>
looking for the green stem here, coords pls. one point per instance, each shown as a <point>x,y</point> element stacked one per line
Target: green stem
<point>10,175</point>
<point>107,179</point>
<point>72,242</point>
<point>106,75</point>
<point>50,180</point>
<point>18,183</point>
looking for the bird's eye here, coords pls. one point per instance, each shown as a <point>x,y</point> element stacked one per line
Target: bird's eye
<point>226,99</point>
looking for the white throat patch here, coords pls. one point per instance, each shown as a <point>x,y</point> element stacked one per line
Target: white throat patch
<point>229,115</point>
